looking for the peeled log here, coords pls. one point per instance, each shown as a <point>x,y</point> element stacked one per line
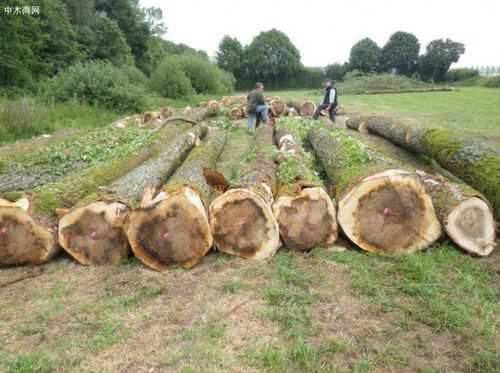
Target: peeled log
<point>174,228</point>
<point>22,239</point>
<point>466,157</point>
<point>305,213</point>
<point>307,109</point>
<point>382,208</point>
<point>241,219</point>
<point>464,213</point>
<point>94,233</point>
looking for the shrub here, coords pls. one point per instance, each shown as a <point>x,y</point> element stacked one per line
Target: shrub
<point>96,83</point>
<point>135,76</point>
<point>493,82</point>
<point>336,71</point>
<point>455,75</point>
<point>169,80</point>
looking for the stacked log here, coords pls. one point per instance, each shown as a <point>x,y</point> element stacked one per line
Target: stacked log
<point>236,113</point>
<point>307,108</point>
<point>241,219</point>
<point>464,213</point>
<point>468,158</point>
<point>305,213</point>
<point>383,208</point>
<point>279,107</point>
<point>23,239</point>
<point>93,233</point>
<point>173,227</point>
<point>213,107</point>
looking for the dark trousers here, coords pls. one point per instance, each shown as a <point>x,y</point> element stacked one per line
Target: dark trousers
<point>320,107</point>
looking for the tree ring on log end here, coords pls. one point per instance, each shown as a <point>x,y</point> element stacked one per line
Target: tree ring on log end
<point>389,213</point>
<point>93,234</point>
<point>471,225</point>
<point>243,224</point>
<point>306,220</point>
<point>174,231</point>
<point>22,240</point>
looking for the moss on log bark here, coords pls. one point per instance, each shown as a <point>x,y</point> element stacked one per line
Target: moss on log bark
<point>468,158</point>
<point>174,228</point>
<point>305,213</point>
<point>464,213</point>
<point>383,208</point>
<point>93,232</point>
<point>241,219</point>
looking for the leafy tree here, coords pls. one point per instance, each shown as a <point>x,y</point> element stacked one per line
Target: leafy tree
<point>401,53</point>
<point>132,21</point>
<point>365,56</point>
<point>169,80</point>
<point>336,71</point>
<point>230,56</point>
<point>110,42</point>
<point>272,58</point>
<point>439,56</point>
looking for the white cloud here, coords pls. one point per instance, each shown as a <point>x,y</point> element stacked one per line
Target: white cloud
<point>324,31</point>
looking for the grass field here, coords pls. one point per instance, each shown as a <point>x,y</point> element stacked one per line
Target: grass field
<point>334,310</point>
<point>474,110</point>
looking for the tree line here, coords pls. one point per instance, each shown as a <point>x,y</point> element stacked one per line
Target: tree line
<point>271,57</point>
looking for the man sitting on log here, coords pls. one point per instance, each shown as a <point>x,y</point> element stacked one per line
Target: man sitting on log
<point>256,108</point>
<point>329,102</point>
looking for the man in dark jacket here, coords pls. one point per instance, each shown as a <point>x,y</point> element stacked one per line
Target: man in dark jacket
<point>329,102</point>
<point>256,106</point>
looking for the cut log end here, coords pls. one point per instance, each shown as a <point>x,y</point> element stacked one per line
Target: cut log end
<point>94,234</point>
<point>471,226</point>
<point>243,224</point>
<point>174,231</point>
<point>389,213</point>
<point>22,240</point>
<point>306,220</point>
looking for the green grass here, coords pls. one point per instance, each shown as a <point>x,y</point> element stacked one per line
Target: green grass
<point>441,288</point>
<point>474,110</point>
<point>27,117</point>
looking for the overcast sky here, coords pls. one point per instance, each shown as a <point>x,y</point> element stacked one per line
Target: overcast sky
<point>324,31</point>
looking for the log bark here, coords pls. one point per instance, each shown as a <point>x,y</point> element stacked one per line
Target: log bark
<point>174,228</point>
<point>464,213</point>
<point>156,171</point>
<point>303,209</point>
<point>23,240</point>
<point>383,208</point>
<point>466,157</point>
<point>93,233</point>
<point>241,219</point>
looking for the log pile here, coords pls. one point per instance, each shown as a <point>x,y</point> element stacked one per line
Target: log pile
<point>383,208</point>
<point>305,213</point>
<point>468,158</point>
<point>93,233</point>
<point>241,219</point>
<point>172,227</point>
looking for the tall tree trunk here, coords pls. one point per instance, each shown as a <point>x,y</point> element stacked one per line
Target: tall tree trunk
<point>383,208</point>
<point>468,158</point>
<point>241,219</point>
<point>93,233</point>
<point>305,213</point>
<point>174,228</point>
